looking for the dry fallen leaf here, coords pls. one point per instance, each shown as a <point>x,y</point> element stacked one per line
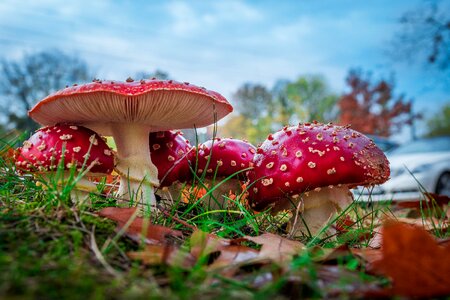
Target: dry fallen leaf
<point>233,256</point>
<point>416,263</point>
<point>164,255</point>
<point>427,224</point>
<point>203,243</point>
<point>368,255</point>
<point>154,234</point>
<point>276,248</point>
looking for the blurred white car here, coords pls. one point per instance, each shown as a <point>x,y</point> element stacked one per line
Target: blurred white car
<point>416,167</point>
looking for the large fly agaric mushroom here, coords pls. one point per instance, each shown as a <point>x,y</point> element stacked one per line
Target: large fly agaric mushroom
<point>312,167</point>
<point>76,146</point>
<point>169,153</point>
<point>220,158</point>
<point>129,111</point>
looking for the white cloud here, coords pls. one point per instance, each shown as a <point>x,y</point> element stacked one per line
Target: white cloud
<point>236,10</point>
<point>295,31</point>
<point>190,18</point>
<point>184,18</point>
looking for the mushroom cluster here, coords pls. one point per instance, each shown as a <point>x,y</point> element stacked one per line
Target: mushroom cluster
<point>129,111</point>
<point>311,168</point>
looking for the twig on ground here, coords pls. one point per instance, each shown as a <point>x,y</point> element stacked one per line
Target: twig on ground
<point>100,257</point>
<point>166,213</point>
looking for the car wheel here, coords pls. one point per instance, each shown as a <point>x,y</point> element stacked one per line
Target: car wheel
<point>443,184</point>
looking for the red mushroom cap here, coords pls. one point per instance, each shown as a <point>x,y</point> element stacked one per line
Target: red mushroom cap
<point>169,153</point>
<point>309,156</point>
<point>226,155</point>
<point>158,104</point>
<point>42,152</point>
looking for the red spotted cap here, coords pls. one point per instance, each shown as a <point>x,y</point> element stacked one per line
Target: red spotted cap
<point>42,152</point>
<point>313,155</point>
<point>226,155</point>
<point>158,104</point>
<point>169,152</point>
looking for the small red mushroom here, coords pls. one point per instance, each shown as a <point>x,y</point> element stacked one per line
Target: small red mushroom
<point>220,158</point>
<point>170,154</point>
<point>42,154</point>
<point>314,166</point>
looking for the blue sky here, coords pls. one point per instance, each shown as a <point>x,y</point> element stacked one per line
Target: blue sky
<point>221,44</point>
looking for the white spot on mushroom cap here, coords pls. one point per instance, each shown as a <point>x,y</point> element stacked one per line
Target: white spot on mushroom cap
<point>65,137</point>
<point>93,140</point>
<point>267,181</point>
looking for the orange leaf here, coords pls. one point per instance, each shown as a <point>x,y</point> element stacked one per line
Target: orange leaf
<point>416,263</point>
<point>8,154</point>
<point>154,234</point>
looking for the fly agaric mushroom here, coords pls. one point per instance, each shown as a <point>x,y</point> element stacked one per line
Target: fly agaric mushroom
<point>129,111</point>
<point>313,167</point>
<point>219,159</point>
<point>83,149</point>
<point>169,152</point>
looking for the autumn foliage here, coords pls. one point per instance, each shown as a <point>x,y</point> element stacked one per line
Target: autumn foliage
<point>372,108</point>
<point>412,260</point>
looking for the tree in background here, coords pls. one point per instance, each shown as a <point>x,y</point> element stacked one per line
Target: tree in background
<point>312,99</point>
<point>262,110</point>
<point>371,107</point>
<point>439,124</point>
<point>424,38</point>
<point>254,104</point>
<point>24,82</point>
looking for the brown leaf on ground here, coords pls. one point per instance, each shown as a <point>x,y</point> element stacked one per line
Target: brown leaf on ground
<point>232,256</point>
<point>368,255</point>
<point>164,255</point>
<point>203,243</point>
<point>276,248</point>
<point>329,255</point>
<point>138,226</point>
<point>229,253</point>
<point>376,240</point>
<point>427,224</point>
<point>416,263</point>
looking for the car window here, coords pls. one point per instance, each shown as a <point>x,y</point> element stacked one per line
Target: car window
<point>424,145</point>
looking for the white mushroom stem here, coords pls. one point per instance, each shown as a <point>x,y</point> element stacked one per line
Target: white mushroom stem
<point>79,193</point>
<point>138,175</point>
<point>317,208</point>
<point>217,198</point>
